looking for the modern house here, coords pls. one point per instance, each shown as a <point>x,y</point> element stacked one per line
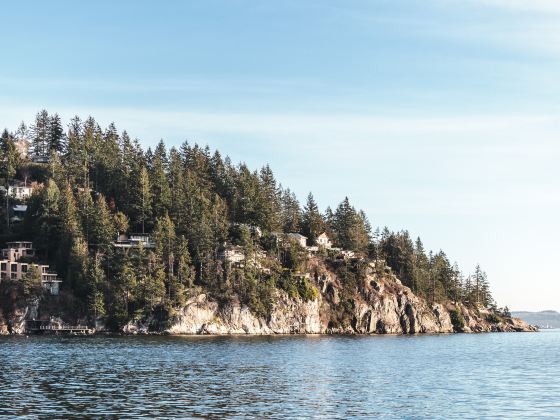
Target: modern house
<point>134,240</point>
<point>233,254</point>
<point>40,159</point>
<point>12,268</point>
<point>15,250</point>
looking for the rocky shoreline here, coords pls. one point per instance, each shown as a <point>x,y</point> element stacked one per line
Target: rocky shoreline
<point>381,306</point>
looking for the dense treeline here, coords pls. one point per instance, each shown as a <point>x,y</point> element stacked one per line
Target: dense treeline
<point>99,182</point>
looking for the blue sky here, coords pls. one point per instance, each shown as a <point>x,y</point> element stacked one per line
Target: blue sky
<point>437,116</point>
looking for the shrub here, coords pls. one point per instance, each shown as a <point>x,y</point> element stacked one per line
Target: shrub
<point>457,319</point>
<point>493,318</point>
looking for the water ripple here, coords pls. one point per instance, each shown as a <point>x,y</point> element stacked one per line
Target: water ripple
<point>451,376</point>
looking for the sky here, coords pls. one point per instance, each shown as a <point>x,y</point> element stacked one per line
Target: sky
<point>436,116</point>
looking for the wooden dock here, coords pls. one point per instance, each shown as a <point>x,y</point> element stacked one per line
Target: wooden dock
<point>44,327</point>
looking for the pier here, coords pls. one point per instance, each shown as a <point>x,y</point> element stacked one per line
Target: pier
<point>46,327</point>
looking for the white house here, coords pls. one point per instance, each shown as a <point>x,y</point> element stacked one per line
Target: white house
<point>134,240</point>
<point>231,253</point>
<point>300,239</point>
<point>324,241</point>
<point>19,190</point>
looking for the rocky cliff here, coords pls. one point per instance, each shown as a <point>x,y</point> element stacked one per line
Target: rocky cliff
<point>378,304</point>
<point>382,306</point>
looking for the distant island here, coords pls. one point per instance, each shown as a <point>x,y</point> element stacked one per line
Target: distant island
<point>99,235</point>
<point>542,319</point>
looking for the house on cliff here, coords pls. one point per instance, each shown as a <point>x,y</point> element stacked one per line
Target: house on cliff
<point>134,240</point>
<point>324,241</point>
<point>14,265</point>
<point>233,254</point>
<point>20,189</point>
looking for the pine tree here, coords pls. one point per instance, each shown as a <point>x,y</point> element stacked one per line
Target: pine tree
<point>95,279</point>
<point>312,224</point>
<point>184,270</point>
<point>154,283</point>
<point>143,202</point>
<point>164,237</point>
<point>69,226</point>
<point>55,135</point>
<point>76,269</point>
<point>178,191</point>
<point>161,193</point>
<point>268,205</point>
<point>291,212</point>
<point>102,231</point>
<point>40,134</point>
<point>350,228</point>
<point>479,281</point>
<point>10,160</point>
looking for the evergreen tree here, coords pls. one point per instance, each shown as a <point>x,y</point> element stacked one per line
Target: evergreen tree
<point>10,160</point>
<point>95,279</point>
<point>161,193</point>
<point>102,231</point>
<point>350,228</point>
<point>312,224</point>
<point>55,135</point>
<point>40,134</point>
<point>291,212</point>
<point>268,204</point>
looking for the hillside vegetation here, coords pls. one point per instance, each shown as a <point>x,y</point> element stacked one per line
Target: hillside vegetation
<point>94,183</point>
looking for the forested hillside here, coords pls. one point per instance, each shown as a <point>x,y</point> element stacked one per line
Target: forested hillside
<point>95,183</point>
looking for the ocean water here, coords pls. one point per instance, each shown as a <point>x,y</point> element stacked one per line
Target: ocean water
<point>500,375</point>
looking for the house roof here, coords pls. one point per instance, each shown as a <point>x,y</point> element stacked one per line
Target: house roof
<point>297,235</point>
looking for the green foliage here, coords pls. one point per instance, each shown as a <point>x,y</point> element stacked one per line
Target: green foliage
<point>351,228</point>
<point>457,319</point>
<point>31,281</point>
<point>297,287</point>
<point>100,182</point>
<point>312,224</point>
<point>494,318</point>
<point>294,256</point>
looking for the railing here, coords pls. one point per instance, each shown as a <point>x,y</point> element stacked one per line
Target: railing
<point>63,327</point>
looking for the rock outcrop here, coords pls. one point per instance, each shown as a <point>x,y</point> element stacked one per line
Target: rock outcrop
<point>379,304</point>
<point>383,306</point>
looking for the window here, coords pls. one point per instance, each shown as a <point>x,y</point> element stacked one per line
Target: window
<point>3,266</point>
<point>13,267</point>
<point>24,268</point>
<point>13,276</point>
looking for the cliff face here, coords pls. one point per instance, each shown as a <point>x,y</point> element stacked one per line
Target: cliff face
<point>380,304</point>
<point>383,306</point>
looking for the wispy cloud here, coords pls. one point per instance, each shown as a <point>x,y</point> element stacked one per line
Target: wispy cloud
<point>333,125</point>
<point>545,6</point>
<point>329,125</point>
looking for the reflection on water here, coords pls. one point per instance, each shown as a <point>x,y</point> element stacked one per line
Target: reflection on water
<point>448,376</point>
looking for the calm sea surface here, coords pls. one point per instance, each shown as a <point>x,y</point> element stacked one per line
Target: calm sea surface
<point>449,376</point>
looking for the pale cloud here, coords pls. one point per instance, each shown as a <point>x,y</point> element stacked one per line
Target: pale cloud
<point>273,124</point>
<point>545,6</point>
